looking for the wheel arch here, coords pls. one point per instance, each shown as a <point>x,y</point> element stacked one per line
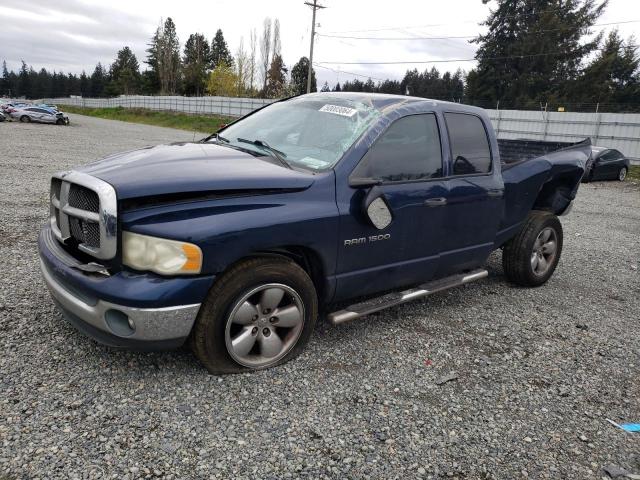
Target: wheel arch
<point>557,193</point>
<point>306,258</point>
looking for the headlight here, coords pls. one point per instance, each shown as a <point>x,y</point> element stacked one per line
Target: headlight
<point>166,257</point>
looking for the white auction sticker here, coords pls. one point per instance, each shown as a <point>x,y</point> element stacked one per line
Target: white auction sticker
<point>338,110</point>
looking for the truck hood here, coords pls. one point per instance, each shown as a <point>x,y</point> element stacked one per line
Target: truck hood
<point>191,167</point>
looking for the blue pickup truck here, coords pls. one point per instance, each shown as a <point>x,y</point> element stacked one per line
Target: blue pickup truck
<point>339,203</point>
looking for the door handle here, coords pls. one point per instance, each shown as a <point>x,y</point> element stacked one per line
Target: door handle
<point>435,202</point>
<point>494,193</point>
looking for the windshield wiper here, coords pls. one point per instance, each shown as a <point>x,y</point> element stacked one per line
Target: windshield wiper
<point>277,154</point>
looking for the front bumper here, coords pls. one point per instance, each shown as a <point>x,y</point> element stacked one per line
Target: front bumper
<point>114,323</point>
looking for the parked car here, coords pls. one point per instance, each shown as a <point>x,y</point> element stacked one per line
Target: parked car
<point>47,106</point>
<point>41,115</point>
<point>606,164</point>
<point>11,106</point>
<point>322,202</point>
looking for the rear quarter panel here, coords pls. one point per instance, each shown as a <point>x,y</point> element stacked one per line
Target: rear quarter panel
<point>548,183</point>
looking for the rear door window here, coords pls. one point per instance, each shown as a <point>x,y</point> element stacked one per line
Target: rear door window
<point>409,150</point>
<point>470,150</point>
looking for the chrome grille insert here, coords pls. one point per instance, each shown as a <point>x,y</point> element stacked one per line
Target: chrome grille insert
<point>84,208</point>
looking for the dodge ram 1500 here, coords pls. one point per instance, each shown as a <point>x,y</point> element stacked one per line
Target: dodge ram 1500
<point>345,203</point>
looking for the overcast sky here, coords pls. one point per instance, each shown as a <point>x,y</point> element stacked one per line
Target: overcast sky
<point>72,35</point>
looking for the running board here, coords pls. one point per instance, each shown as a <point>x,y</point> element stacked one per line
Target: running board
<point>397,298</point>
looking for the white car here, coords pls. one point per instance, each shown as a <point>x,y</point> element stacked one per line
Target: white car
<point>41,115</point>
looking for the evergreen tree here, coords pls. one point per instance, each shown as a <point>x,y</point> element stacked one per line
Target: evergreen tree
<point>169,58</point>
<point>325,87</point>
<point>125,73</point>
<point>613,75</point>
<point>337,88</point>
<point>24,82</point>
<point>5,83</point>
<point>84,84</point>
<point>390,86</point>
<point>219,51</point>
<point>533,48</point>
<point>98,81</point>
<point>195,61</point>
<point>163,58</point>
<point>276,78</point>
<point>299,77</point>
<point>151,77</point>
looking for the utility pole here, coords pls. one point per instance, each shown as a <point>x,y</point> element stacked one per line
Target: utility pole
<point>314,6</point>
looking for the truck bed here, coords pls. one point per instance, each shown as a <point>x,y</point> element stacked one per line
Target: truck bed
<point>516,151</point>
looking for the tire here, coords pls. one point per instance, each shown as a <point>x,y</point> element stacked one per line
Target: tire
<point>228,313</point>
<point>25,119</point>
<point>530,258</point>
<point>60,122</point>
<point>622,174</point>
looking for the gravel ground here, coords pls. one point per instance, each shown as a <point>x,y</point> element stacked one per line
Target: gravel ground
<point>537,371</point>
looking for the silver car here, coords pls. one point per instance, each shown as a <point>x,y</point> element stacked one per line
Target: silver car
<point>41,115</point>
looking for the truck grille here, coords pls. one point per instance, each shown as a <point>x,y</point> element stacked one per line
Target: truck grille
<point>83,198</point>
<point>83,209</point>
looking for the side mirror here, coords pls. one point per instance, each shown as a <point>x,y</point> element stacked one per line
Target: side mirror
<point>376,209</point>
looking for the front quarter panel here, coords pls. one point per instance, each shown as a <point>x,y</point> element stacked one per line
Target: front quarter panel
<point>230,229</point>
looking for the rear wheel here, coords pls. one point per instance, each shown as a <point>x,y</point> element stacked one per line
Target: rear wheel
<point>622,174</point>
<point>530,258</point>
<point>25,119</point>
<point>258,314</point>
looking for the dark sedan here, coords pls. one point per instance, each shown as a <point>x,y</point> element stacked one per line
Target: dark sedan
<point>606,164</point>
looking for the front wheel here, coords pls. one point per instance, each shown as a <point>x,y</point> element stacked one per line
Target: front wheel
<point>259,314</point>
<point>622,174</point>
<point>530,258</point>
<point>25,119</point>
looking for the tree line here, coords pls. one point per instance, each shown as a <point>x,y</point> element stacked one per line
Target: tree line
<point>199,68</point>
<point>535,54</point>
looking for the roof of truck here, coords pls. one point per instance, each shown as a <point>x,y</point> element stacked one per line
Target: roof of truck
<point>380,100</point>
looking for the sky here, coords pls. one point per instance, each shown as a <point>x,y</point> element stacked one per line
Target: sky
<point>73,35</point>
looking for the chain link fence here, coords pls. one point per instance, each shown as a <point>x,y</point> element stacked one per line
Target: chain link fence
<point>228,106</point>
<point>612,130</point>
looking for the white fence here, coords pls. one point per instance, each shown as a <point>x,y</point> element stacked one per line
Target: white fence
<point>231,106</point>
<point>614,130</point>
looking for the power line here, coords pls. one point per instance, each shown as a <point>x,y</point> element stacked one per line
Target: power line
<point>393,38</point>
<point>382,29</point>
<point>462,36</point>
<point>452,60</point>
<point>348,73</point>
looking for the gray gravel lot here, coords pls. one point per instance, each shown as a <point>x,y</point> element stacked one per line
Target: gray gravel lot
<point>538,371</point>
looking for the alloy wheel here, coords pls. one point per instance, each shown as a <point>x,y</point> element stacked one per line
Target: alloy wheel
<point>264,325</point>
<point>622,175</point>
<point>544,251</point>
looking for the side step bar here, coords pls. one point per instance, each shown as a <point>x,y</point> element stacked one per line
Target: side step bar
<point>397,298</point>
